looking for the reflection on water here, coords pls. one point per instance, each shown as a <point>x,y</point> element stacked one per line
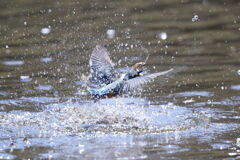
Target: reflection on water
<point>13,63</point>
<point>46,112</point>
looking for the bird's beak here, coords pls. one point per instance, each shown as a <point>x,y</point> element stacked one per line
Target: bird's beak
<point>146,59</point>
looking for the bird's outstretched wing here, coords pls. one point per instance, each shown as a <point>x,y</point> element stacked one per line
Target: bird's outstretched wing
<point>137,82</point>
<point>101,66</point>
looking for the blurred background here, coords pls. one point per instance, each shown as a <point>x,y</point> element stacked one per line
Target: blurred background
<point>46,112</point>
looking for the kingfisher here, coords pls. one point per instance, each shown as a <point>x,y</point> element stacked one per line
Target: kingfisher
<point>103,75</point>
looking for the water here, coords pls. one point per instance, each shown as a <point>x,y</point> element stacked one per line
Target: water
<point>46,111</point>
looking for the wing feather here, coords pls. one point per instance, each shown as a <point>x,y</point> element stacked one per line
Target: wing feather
<point>137,82</point>
<point>101,66</point>
<point>100,59</point>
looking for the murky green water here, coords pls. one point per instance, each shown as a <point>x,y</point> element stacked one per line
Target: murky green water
<point>46,112</point>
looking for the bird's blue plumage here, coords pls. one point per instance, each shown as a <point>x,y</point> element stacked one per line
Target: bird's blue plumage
<point>110,88</point>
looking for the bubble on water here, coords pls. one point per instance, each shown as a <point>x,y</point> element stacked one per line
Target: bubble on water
<point>110,33</point>
<point>162,35</point>
<point>195,18</point>
<point>45,31</point>
<point>25,79</point>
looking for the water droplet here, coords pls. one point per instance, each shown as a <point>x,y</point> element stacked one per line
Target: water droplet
<point>26,141</point>
<point>45,31</point>
<point>110,33</point>
<point>162,35</point>
<point>25,79</point>
<point>81,151</point>
<point>238,142</point>
<point>195,18</point>
<point>189,101</point>
<point>238,72</point>
<point>12,144</point>
<point>82,93</point>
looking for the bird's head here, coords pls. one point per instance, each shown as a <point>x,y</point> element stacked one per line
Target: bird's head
<point>139,67</point>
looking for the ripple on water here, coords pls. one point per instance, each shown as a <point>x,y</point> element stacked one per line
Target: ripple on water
<point>193,93</point>
<point>232,101</point>
<point>13,63</point>
<point>44,87</point>
<point>26,101</point>
<point>235,87</point>
<point>3,93</point>
<point>46,59</point>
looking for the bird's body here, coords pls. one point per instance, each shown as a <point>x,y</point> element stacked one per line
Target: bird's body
<point>104,75</point>
<point>108,90</point>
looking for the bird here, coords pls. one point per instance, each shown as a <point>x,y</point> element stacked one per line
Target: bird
<point>103,75</point>
<point>102,71</point>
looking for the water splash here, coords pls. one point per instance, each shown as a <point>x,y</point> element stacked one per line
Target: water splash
<point>117,116</point>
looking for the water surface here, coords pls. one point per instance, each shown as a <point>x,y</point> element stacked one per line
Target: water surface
<point>47,113</point>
